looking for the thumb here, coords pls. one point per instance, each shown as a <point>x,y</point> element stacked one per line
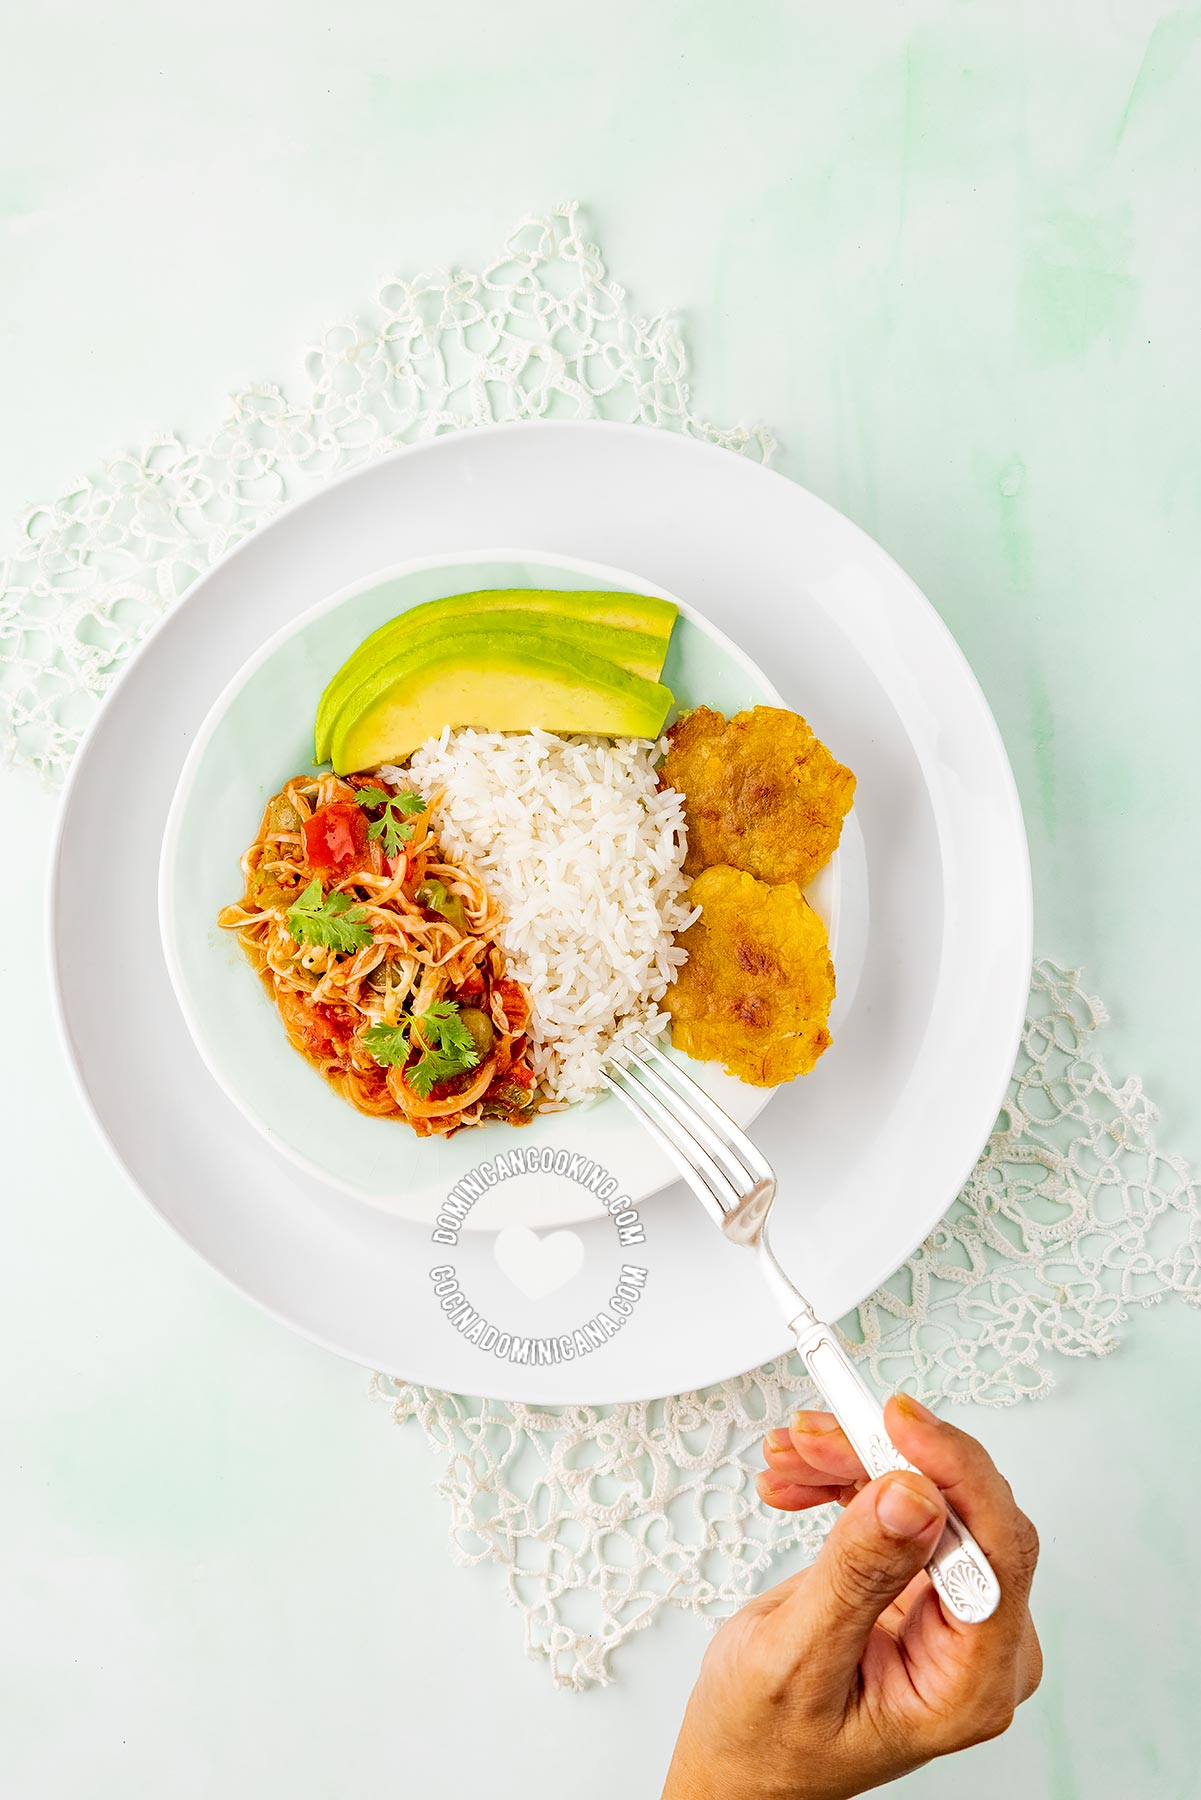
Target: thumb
<point>873,1552</point>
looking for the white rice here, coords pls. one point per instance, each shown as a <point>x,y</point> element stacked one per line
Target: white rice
<point>585,855</point>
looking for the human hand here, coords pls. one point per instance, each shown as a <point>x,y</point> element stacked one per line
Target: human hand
<point>850,1673</point>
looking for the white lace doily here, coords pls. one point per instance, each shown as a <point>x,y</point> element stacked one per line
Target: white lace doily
<point>599,1516</point>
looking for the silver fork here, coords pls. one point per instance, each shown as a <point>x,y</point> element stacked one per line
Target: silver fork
<point>737,1185</point>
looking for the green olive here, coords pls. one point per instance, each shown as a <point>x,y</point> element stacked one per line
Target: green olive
<point>482,1030</point>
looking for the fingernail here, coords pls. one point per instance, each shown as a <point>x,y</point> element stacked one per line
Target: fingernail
<point>904,1511</point>
<point>776,1441</point>
<point>815,1423</point>
<point>914,1409</point>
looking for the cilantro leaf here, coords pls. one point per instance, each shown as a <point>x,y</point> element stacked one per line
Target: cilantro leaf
<point>336,923</point>
<point>448,1048</point>
<point>443,1022</point>
<point>434,1067</point>
<point>392,823</point>
<point>388,1044</point>
<point>446,1045</point>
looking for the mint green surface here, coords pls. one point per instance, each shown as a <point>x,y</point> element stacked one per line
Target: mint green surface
<point>951,254</point>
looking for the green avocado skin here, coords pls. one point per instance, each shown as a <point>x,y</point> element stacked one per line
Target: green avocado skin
<point>631,630</point>
<point>485,674</point>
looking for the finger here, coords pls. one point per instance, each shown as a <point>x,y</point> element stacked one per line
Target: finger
<point>820,1440</point>
<point>794,1482</point>
<point>973,1485</point>
<point>873,1552</point>
<point>792,1496</point>
<point>789,1464</point>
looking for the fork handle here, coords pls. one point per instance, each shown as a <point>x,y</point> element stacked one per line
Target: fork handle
<point>959,1569</point>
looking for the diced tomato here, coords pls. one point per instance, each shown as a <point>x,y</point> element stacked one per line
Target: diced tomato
<point>335,837</point>
<point>338,1022</point>
<point>325,1030</point>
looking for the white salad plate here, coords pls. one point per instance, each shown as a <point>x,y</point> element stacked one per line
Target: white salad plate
<point>933,954</point>
<point>258,735</point>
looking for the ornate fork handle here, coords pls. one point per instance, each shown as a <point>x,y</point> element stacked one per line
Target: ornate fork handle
<point>959,1569</point>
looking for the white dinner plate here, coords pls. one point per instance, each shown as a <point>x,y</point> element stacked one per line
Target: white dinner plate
<point>934,948</point>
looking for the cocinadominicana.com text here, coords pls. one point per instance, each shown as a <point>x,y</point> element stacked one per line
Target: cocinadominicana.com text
<point>538,1351</point>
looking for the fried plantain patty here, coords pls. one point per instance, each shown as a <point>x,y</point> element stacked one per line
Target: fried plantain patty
<point>761,792</point>
<point>755,992</point>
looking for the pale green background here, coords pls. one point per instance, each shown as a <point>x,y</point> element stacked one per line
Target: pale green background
<point>950,252</point>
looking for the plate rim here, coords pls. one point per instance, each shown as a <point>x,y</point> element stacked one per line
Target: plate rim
<point>685,445</point>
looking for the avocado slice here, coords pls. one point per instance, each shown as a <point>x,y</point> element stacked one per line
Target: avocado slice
<point>631,630</point>
<point>496,680</point>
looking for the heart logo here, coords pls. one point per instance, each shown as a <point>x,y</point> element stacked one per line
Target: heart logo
<point>538,1266</point>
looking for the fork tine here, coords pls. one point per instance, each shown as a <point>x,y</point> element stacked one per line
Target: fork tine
<point>707,1181</point>
<point>720,1122</point>
<point>719,1144</point>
